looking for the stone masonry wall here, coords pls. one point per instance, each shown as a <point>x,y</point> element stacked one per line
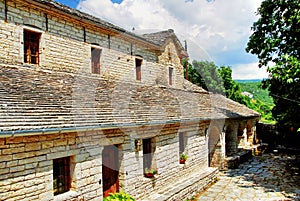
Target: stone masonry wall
<point>62,48</point>
<point>26,166</point>
<point>166,158</point>
<point>26,163</point>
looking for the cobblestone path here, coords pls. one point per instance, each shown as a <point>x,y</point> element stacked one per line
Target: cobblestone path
<point>267,177</point>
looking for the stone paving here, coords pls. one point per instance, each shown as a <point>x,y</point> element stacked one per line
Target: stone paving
<point>271,176</point>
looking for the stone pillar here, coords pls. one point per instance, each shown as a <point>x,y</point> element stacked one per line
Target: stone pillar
<point>245,136</point>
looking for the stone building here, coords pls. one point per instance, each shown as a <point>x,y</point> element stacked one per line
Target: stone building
<point>88,107</point>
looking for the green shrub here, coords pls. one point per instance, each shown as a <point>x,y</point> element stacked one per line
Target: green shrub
<point>121,196</point>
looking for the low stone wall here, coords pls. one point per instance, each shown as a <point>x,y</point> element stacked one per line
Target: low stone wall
<point>186,187</point>
<point>236,159</point>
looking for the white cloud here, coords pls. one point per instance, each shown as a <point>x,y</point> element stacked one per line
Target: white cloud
<point>215,30</point>
<point>249,71</point>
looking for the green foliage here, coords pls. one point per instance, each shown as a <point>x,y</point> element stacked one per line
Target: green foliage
<point>276,42</point>
<point>258,93</point>
<point>232,88</point>
<point>183,156</point>
<point>121,196</point>
<point>261,102</point>
<point>207,76</point>
<point>151,170</point>
<point>219,80</point>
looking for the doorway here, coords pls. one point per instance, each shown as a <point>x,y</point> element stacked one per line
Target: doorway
<point>110,170</point>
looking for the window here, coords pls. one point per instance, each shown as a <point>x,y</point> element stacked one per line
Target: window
<point>169,54</point>
<point>31,46</point>
<point>95,52</point>
<point>182,143</point>
<point>138,64</point>
<point>147,153</point>
<point>61,175</point>
<point>170,76</point>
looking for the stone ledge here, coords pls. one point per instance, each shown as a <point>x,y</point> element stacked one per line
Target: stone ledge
<point>66,196</point>
<point>236,159</point>
<point>185,187</point>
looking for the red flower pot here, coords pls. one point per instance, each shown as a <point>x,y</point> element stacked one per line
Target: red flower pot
<point>149,175</point>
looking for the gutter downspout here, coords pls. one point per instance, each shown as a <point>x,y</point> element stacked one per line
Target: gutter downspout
<point>5,10</point>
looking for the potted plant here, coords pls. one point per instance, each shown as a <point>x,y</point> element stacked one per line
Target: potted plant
<point>183,158</point>
<point>150,172</point>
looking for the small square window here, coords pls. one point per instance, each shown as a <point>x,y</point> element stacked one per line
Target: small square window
<point>61,175</point>
<point>31,46</point>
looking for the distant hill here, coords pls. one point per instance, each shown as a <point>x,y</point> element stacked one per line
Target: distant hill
<point>258,93</point>
<point>261,101</point>
<point>250,80</point>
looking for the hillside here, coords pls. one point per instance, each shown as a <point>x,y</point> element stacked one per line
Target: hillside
<point>261,101</point>
<point>260,94</point>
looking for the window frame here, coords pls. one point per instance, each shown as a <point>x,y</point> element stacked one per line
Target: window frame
<point>138,68</point>
<point>28,35</point>
<point>147,153</point>
<point>97,69</point>
<point>61,171</point>
<point>182,138</point>
<point>149,158</point>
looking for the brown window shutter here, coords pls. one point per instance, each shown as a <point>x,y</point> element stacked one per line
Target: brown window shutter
<point>95,52</point>
<point>138,68</point>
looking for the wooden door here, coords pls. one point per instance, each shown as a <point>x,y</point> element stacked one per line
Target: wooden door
<point>110,170</point>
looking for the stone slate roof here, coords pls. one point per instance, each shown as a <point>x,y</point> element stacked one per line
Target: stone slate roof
<point>227,108</point>
<point>33,100</point>
<point>162,37</point>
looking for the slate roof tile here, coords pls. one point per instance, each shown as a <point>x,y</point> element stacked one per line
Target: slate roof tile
<point>33,99</point>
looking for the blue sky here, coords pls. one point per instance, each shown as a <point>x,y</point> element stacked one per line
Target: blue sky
<point>74,3</point>
<point>216,30</point>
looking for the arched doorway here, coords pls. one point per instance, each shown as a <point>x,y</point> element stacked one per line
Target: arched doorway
<point>214,146</point>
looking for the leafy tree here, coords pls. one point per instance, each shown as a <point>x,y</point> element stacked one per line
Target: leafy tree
<point>276,42</point>
<point>232,88</point>
<point>219,80</point>
<point>208,76</point>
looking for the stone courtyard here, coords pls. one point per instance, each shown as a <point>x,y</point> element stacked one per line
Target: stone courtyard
<point>272,176</point>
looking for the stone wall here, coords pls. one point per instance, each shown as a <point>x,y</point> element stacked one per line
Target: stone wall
<point>65,46</point>
<point>26,162</point>
<point>166,158</point>
<point>27,165</point>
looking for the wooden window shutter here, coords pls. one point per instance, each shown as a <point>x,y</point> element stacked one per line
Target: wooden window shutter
<point>138,67</point>
<point>95,52</point>
<point>31,46</point>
